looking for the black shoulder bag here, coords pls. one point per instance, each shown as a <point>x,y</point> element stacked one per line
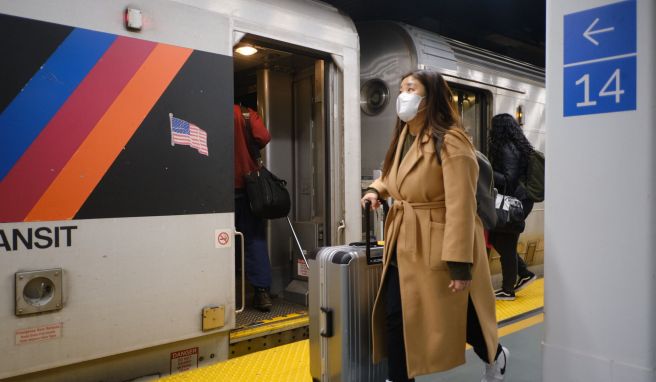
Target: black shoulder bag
<point>268,195</point>
<point>510,214</point>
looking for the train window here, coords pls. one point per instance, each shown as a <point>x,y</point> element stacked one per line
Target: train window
<point>374,96</point>
<point>472,107</point>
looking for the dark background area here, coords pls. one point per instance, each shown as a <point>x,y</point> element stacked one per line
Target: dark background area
<point>515,28</point>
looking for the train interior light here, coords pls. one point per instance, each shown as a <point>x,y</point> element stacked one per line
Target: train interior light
<point>519,114</point>
<point>246,50</point>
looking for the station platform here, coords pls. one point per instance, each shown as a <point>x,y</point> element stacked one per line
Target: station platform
<point>520,329</point>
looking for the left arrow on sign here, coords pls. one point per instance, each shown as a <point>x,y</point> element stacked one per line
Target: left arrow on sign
<point>589,32</point>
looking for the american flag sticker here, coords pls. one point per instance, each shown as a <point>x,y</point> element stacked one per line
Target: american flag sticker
<point>187,134</point>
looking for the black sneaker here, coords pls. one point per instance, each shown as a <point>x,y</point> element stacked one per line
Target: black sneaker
<point>262,300</point>
<point>504,296</point>
<point>524,281</point>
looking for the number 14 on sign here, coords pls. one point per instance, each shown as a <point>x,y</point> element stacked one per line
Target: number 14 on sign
<point>600,87</point>
<point>604,92</point>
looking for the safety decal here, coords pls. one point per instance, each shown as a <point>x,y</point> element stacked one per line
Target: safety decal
<point>184,360</point>
<point>39,333</point>
<point>223,238</point>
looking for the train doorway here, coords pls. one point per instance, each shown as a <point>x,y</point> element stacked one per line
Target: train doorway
<point>286,85</point>
<point>473,108</point>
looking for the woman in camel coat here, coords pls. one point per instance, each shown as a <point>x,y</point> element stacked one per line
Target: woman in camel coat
<point>436,292</point>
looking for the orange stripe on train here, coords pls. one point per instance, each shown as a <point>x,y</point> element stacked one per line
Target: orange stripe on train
<point>88,165</point>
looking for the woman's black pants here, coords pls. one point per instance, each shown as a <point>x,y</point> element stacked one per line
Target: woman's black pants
<point>398,371</point>
<point>506,244</point>
<point>511,264</point>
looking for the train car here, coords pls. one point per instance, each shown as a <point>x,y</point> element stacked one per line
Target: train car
<point>117,241</point>
<point>484,84</point>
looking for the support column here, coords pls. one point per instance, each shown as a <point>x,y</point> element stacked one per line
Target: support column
<point>600,221</point>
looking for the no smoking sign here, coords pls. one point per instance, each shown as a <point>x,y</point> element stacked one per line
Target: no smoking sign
<point>222,238</point>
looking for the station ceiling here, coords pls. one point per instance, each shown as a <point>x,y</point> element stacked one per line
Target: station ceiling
<point>515,28</point>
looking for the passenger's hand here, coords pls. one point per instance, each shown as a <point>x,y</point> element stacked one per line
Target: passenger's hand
<point>372,197</point>
<point>459,285</point>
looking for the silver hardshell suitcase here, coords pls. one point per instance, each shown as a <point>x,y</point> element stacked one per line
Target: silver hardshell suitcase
<point>343,284</point>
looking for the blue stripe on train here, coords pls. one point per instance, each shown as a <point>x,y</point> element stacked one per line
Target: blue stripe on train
<point>36,104</point>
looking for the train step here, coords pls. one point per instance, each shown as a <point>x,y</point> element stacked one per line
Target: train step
<point>255,330</point>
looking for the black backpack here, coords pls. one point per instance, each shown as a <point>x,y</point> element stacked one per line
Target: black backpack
<point>534,181</point>
<point>486,194</point>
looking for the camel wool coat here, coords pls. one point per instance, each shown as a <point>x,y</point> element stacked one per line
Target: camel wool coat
<point>433,220</point>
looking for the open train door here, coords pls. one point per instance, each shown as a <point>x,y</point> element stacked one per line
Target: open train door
<point>294,89</point>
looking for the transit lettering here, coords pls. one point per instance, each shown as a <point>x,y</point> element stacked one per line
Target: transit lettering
<point>40,237</point>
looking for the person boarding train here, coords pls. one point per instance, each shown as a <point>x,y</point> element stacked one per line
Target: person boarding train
<point>509,154</point>
<point>258,265</point>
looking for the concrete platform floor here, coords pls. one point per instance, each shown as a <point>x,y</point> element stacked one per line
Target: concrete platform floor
<point>524,363</point>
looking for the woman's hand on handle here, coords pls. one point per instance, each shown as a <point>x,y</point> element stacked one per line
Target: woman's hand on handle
<point>373,198</point>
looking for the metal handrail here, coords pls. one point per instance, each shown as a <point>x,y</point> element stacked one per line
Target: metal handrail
<point>340,231</point>
<point>243,273</point>
<point>298,243</point>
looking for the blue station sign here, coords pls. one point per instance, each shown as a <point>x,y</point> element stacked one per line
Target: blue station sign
<point>600,60</point>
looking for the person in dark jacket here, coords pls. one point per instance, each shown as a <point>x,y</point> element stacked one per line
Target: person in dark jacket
<point>509,151</point>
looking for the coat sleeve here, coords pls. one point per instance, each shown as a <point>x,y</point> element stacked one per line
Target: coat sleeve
<point>460,172</point>
<point>380,186</point>
<point>260,132</point>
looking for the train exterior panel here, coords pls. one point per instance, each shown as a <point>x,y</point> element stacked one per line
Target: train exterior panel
<point>117,207</point>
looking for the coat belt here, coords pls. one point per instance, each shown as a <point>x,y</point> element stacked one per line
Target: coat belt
<point>407,216</point>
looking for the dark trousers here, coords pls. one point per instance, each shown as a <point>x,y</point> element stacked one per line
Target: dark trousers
<point>506,244</point>
<point>511,264</point>
<point>258,266</point>
<point>398,370</point>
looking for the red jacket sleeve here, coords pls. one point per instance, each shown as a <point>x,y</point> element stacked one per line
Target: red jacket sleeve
<point>260,132</point>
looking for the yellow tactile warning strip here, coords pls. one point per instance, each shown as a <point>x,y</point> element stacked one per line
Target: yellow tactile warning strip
<point>286,363</point>
<point>274,325</point>
<point>291,363</point>
<point>528,299</point>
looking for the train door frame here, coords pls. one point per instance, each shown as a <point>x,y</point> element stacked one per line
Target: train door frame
<point>480,134</point>
<point>323,120</point>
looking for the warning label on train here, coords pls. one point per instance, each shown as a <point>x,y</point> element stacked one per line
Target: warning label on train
<point>184,360</point>
<point>39,333</point>
<point>302,269</point>
<point>222,238</point>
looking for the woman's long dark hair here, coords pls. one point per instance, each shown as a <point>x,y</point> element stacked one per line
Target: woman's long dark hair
<point>505,129</point>
<point>439,113</point>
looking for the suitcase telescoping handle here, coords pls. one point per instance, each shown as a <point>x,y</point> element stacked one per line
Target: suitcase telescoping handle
<point>367,225</point>
<point>367,228</point>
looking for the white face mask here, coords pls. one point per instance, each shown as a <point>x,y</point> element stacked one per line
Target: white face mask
<point>407,105</point>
